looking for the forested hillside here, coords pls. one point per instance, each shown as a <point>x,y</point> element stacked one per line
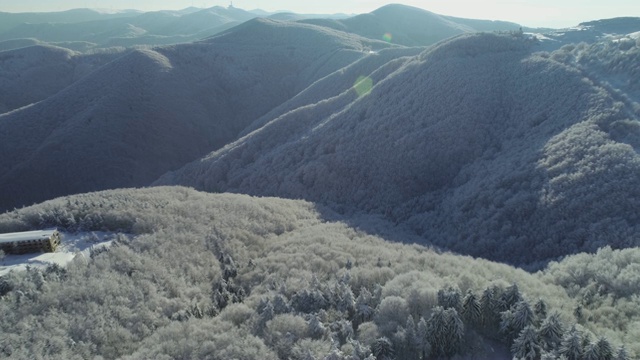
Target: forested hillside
<point>230,276</point>
<point>153,110</point>
<point>478,144</point>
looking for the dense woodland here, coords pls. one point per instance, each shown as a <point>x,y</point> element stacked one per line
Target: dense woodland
<point>231,276</point>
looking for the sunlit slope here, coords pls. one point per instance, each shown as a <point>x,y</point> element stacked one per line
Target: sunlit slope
<point>410,26</point>
<point>189,252</point>
<point>151,111</point>
<point>478,144</point>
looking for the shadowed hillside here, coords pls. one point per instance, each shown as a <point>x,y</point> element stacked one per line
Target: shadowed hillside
<point>151,111</point>
<point>33,73</point>
<point>477,144</point>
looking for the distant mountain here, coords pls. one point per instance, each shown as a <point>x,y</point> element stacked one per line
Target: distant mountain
<point>588,32</point>
<point>150,28</point>
<point>477,144</point>
<point>410,26</point>
<point>151,111</point>
<point>11,20</point>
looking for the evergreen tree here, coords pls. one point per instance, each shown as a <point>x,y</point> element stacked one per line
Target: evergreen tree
<point>522,316</point>
<point>471,312</point>
<point>424,343</point>
<point>511,296</point>
<point>280,305</point>
<point>382,349</point>
<point>622,354</point>
<point>491,306</point>
<point>445,331</point>
<point>540,310</point>
<point>591,352</point>
<point>316,329</point>
<point>455,331</point>
<point>603,348</point>
<point>411,338</point>
<point>571,345</point>
<point>551,331</point>
<point>449,298</point>
<point>363,307</point>
<point>526,345</point>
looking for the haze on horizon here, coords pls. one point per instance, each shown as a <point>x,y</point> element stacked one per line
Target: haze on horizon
<point>533,13</point>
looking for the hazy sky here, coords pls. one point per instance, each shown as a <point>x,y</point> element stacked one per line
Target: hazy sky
<point>553,13</point>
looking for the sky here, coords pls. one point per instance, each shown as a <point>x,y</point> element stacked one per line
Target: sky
<point>534,13</point>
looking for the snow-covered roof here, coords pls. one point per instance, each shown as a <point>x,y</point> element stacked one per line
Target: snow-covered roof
<point>26,235</point>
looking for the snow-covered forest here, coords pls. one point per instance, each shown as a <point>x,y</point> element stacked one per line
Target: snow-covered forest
<point>231,276</point>
<point>392,185</point>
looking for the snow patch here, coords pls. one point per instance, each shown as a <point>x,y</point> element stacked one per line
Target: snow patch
<point>71,246</point>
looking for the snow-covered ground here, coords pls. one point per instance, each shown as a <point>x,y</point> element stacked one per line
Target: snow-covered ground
<point>71,246</point>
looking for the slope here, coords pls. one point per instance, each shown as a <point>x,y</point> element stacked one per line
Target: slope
<point>223,276</point>
<point>33,73</point>
<point>477,144</point>
<point>151,111</point>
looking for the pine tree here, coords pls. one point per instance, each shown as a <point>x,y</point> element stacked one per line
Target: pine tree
<point>363,307</point>
<point>424,343</point>
<point>551,331</point>
<point>411,338</point>
<point>526,345</point>
<point>449,298</point>
<point>571,345</point>
<point>471,312</point>
<point>316,329</point>
<point>540,310</point>
<point>455,331</point>
<point>622,354</point>
<point>491,306</point>
<point>603,347</point>
<point>382,349</point>
<point>436,331</point>
<point>522,316</point>
<point>511,296</point>
<point>591,352</point>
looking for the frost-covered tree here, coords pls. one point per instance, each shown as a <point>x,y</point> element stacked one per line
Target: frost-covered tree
<point>449,298</point>
<point>471,312</point>
<point>316,329</point>
<point>622,354</point>
<point>571,345</point>
<point>604,349</point>
<point>540,310</point>
<point>423,341</point>
<point>445,331</point>
<point>511,296</point>
<point>382,349</point>
<point>364,309</point>
<point>527,345</point>
<point>522,316</point>
<point>551,331</point>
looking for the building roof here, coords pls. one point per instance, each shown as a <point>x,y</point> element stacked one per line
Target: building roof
<point>26,235</point>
